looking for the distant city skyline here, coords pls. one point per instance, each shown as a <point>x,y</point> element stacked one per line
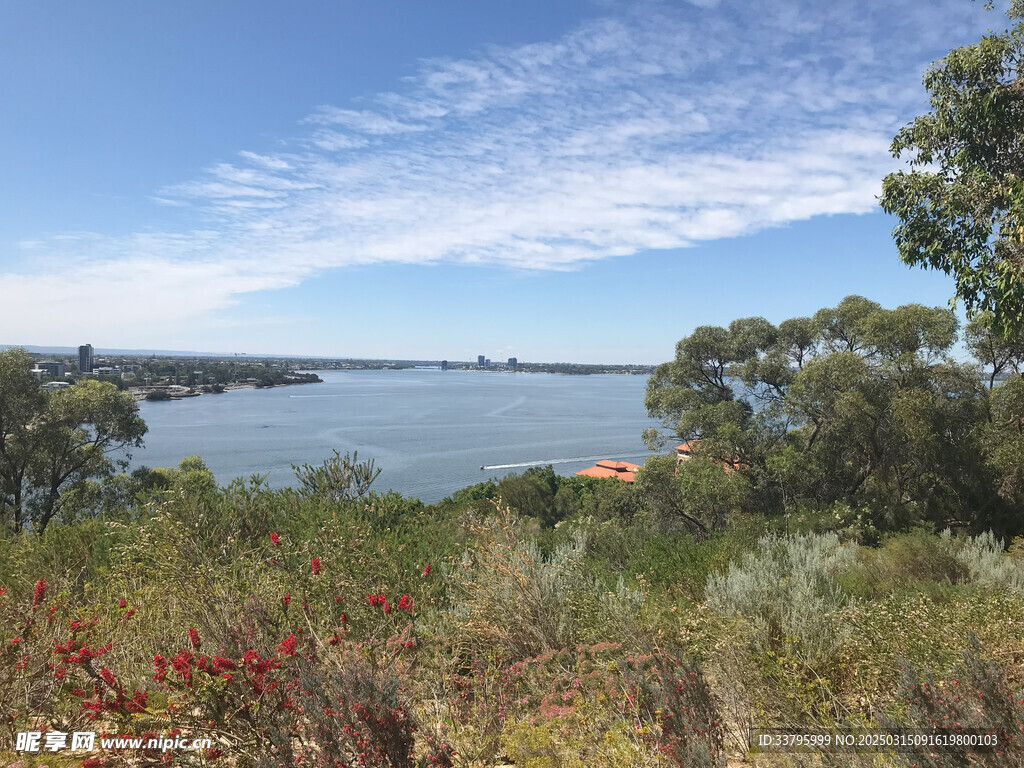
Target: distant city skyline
<point>580,182</point>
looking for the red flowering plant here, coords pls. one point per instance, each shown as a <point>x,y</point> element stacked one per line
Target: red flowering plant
<point>276,688</point>
<point>975,699</point>
<point>29,683</point>
<point>572,701</point>
<point>87,661</point>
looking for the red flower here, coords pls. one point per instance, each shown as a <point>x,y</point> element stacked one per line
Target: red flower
<point>343,618</point>
<point>275,539</point>
<point>108,677</point>
<point>426,571</point>
<point>316,566</point>
<point>405,603</point>
<point>287,646</point>
<point>182,663</point>
<point>122,603</point>
<point>286,600</point>
<point>193,637</point>
<point>40,593</point>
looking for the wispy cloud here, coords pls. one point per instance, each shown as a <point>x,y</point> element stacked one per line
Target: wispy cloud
<point>650,129</point>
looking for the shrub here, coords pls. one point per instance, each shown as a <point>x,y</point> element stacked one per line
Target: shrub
<point>592,705</point>
<point>918,560</point>
<point>976,697</point>
<point>986,563</point>
<point>339,478</point>
<point>510,598</point>
<point>787,589</point>
<point>925,632</point>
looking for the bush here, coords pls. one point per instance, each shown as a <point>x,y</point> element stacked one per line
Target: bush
<point>510,598</point>
<point>976,697</point>
<point>927,633</point>
<point>984,560</point>
<point>918,560</point>
<point>787,589</point>
<point>592,705</point>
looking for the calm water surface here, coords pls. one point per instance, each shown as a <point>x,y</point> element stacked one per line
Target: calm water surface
<point>429,430</point>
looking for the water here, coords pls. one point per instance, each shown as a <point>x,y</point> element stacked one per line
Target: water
<point>430,431</point>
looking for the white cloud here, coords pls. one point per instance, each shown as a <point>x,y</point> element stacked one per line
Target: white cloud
<point>362,121</point>
<point>656,128</point>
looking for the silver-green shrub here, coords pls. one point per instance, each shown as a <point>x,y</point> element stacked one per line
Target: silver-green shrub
<point>787,590</point>
<point>986,562</point>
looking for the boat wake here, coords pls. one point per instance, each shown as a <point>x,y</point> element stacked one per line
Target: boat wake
<point>544,462</point>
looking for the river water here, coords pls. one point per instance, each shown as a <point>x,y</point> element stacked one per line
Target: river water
<point>430,431</point>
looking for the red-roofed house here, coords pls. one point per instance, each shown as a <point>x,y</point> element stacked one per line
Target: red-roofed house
<point>685,452</point>
<point>621,470</point>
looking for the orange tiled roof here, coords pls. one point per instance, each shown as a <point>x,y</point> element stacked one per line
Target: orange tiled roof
<point>622,470</point>
<point>685,451</point>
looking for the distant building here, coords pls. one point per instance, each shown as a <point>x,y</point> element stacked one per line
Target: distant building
<point>37,372</point>
<point>621,470</point>
<point>106,370</point>
<point>487,363</point>
<point>512,362</point>
<point>52,368</point>
<point>53,386</point>
<point>480,362</point>
<point>685,452</point>
<point>444,365</point>
<point>85,358</point>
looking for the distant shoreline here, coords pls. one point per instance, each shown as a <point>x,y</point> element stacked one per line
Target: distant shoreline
<point>180,392</point>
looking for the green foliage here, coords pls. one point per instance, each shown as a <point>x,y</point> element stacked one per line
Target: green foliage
<point>532,493</point>
<point>928,631</point>
<point>911,561</point>
<point>511,598</point>
<point>50,443</point>
<point>961,204</point>
<point>998,354</point>
<point>975,698</point>
<point>1003,439</point>
<point>520,642</point>
<point>339,478</point>
<point>858,405</point>
<point>480,492</point>
<point>985,562</point>
<point>699,492</point>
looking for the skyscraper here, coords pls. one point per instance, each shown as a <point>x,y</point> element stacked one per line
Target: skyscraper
<point>512,362</point>
<point>479,361</point>
<point>444,365</point>
<point>85,358</point>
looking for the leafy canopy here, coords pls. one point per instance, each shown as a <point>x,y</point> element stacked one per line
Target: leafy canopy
<point>51,443</point>
<point>961,204</point>
<point>858,405</point>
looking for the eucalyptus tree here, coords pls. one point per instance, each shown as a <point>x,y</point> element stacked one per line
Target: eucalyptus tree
<point>857,404</point>
<point>53,442</point>
<point>960,204</point>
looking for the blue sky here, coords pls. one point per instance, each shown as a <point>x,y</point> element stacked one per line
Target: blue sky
<point>568,181</point>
